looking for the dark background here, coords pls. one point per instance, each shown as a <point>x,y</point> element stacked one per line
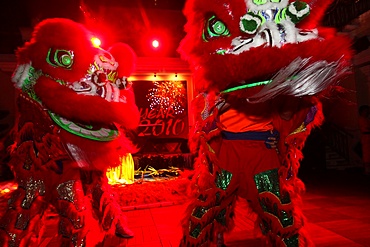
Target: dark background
<point>135,22</point>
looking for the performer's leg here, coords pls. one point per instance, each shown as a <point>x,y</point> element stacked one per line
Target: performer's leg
<point>211,212</point>
<point>25,207</point>
<point>72,209</point>
<point>281,221</point>
<point>105,206</point>
<point>207,220</point>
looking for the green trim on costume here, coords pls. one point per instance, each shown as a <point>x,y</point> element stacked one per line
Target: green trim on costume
<point>268,181</point>
<point>286,218</point>
<point>101,134</point>
<point>196,231</point>
<point>223,179</point>
<point>221,217</point>
<point>199,212</point>
<point>218,199</point>
<point>292,241</point>
<point>30,81</point>
<point>255,84</point>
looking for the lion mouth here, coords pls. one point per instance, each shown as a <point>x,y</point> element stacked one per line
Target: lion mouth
<point>86,131</point>
<point>99,81</point>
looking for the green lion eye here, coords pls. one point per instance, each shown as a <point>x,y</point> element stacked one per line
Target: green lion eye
<point>66,60</point>
<point>60,58</point>
<point>219,27</point>
<point>214,28</point>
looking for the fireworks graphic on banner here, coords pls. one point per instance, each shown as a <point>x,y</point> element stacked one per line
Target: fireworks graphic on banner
<point>166,95</point>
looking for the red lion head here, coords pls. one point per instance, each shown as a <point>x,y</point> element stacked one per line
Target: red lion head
<point>75,80</point>
<point>248,43</point>
<point>80,88</point>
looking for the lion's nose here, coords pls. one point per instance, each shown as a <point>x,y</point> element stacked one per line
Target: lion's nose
<point>100,78</point>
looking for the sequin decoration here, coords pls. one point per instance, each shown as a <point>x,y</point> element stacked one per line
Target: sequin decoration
<point>292,241</point>
<point>199,212</point>
<point>14,241</point>
<point>218,199</point>
<point>66,191</point>
<point>221,217</point>
<point>78,221</point>
<point>286,218</point>
<point>63,228</point>
<point>223,179</point>
<point>33,188</point>
<point>78,242</point>
<point>265,227</point>
<point>27,164</point>
<point>268,181</point>
<point>22,221</point>
<point>196,231</point>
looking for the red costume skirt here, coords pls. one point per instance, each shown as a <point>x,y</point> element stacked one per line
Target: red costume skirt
<point>245,159</point>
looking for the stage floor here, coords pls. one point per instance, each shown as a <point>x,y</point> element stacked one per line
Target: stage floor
<point>336,204</point>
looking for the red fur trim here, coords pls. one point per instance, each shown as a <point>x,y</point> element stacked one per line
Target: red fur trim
<point>61,34</point>
<point>86,109</point>
<point>203,103</point>
<point>317,11</point>
<point>203,183</point>
<point>291,158</point>
<point>126,58</point>
<point>98,155</point>
<point>219,71</point>
<point>227,69</point>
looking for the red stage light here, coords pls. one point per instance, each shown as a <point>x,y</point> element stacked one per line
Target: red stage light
<point>155,43</point>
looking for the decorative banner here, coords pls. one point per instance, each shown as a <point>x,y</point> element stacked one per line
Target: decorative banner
<point>163,108</point>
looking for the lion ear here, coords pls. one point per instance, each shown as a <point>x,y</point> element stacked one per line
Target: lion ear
<point>126,58</point>
<point>318,9</point>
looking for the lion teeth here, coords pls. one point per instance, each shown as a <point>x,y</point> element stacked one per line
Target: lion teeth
<point>74,127</point>
<point>104,132</point>
<point>65,121</point>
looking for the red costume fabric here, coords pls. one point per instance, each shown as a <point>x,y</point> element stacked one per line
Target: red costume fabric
<point>261,68</point>
<point>74,106</point>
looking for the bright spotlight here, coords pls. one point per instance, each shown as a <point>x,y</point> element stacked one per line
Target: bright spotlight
<point>95,41</point>
<point>155,43</point>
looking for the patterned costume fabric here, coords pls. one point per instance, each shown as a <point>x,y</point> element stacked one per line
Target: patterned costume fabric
<point>261,69</point>
<point>74,106</point>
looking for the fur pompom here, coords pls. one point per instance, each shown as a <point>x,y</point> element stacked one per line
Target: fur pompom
<point>126,58</point>
<point>54,35</point>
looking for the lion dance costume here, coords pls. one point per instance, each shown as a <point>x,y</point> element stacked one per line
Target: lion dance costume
<point>75,105</point>
<point>261,68</point>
